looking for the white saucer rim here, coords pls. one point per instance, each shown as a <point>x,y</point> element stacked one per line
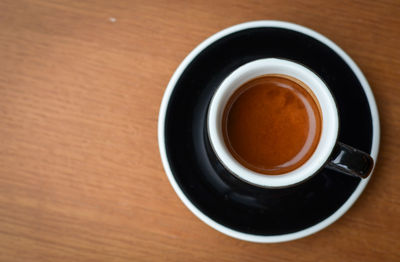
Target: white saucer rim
<point>161,127</point>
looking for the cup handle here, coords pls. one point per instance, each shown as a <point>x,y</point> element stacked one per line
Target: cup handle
<point>350,161</point>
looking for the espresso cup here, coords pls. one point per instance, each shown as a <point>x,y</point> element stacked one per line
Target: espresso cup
<point>328,152</point>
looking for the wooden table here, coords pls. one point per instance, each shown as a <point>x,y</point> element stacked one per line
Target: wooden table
<point>80,87</point>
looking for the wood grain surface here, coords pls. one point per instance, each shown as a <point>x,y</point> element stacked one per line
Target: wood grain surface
<point>80,87</point>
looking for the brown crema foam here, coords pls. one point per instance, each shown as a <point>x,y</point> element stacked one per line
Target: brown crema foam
<point>272,124</point>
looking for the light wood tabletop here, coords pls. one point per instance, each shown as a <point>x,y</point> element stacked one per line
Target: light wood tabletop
<point>81,83</point>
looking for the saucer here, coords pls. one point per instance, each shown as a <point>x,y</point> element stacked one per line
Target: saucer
<point>218,198</point>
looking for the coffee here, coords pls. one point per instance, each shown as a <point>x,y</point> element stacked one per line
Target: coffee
<point>272,124</point>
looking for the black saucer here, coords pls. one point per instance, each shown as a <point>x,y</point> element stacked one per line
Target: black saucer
<point>211,189</point>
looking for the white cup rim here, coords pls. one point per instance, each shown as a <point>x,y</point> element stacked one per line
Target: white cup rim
<point>251,70</point>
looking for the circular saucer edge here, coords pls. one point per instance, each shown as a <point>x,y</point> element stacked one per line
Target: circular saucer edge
<point>276,238</point>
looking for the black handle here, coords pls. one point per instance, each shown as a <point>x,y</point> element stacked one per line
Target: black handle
<point>350,161</point>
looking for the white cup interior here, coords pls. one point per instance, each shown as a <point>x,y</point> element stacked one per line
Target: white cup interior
<point>254,69</point>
